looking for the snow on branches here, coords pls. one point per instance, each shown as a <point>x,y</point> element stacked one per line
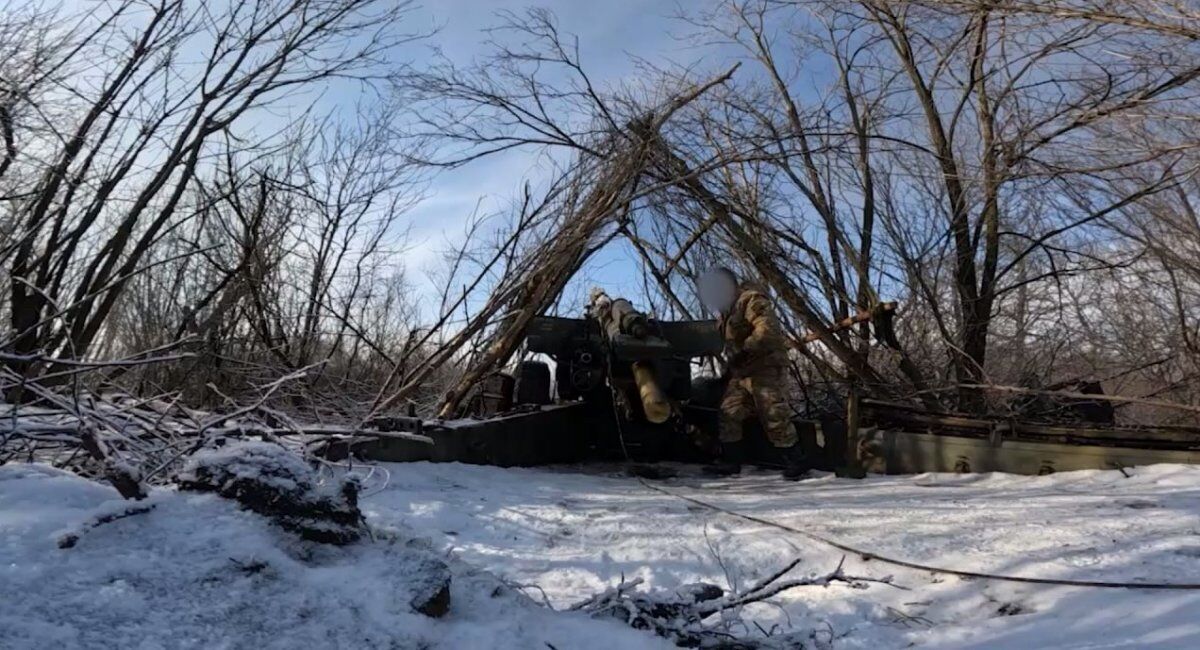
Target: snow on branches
<point>705,616</point>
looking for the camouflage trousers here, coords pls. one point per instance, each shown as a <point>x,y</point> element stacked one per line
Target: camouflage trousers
<point>759,396</point>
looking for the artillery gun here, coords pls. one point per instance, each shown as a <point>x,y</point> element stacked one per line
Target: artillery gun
<point>622,387</point>
<point>633,372</point>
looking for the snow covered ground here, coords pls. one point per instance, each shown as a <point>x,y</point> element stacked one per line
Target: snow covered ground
<point>574,531</point>
<point>197,572</point>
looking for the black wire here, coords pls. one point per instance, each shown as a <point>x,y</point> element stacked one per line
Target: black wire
<point>608,358</point>
<point>869,556</point>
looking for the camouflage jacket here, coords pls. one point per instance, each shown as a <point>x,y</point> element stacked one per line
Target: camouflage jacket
<point>754,340</point>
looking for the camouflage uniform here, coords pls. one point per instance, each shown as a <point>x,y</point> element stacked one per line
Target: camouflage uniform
<point>758,372</point>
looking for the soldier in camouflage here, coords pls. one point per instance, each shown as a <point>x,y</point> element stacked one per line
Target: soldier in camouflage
<point>756,372</point>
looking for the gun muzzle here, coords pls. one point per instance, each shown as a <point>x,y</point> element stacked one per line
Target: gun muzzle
<point>655,404</point>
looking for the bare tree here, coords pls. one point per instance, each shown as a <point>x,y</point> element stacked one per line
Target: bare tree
<point>942,156</point>
<point>104,186</point>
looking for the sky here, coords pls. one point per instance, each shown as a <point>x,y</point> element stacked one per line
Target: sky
<point>612,35</point>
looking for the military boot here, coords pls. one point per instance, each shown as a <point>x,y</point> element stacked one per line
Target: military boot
<point>730,461</point>
<point>795,463</point>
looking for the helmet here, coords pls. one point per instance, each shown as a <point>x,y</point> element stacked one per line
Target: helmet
<point>718,289</point>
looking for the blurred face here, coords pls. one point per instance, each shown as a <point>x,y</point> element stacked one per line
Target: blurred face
<point>717,291</point>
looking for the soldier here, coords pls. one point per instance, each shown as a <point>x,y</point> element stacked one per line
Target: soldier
<point>756,372</point>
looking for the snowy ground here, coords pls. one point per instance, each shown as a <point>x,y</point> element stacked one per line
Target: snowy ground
<point>197,572</point>
<point>574,531</point>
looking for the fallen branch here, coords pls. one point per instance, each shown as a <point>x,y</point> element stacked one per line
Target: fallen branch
<point>682,615</point>
<point>133,443</point>
<point>69,540</point>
